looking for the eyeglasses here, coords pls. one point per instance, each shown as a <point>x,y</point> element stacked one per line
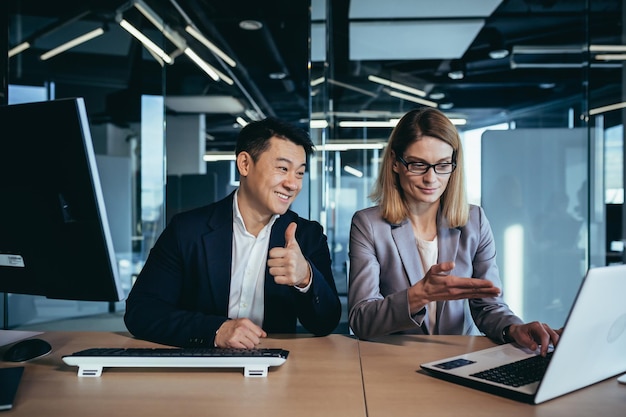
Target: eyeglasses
<point>422,168</point>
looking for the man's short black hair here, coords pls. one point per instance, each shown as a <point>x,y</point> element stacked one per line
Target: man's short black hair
<point>254,137</point>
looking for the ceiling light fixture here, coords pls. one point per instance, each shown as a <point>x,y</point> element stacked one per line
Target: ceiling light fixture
<point>18,49</point>
<point>611,57</point>
<point>495,38</point>
<point>458,121</point>
<point>547,49</point>
<point>47,30</point>
<point>72,43</point>
<point>318,124</point>
<point>457,70</point>
<point>607,48</point>
<point>342,146</point>
<point>250,25</point>
<point>396,85</point>
<point>412,98</point>
<point>317,81</point>
<point>241,121</point>
<point>607,108</point>
<point>158,22</point>
<point>498,53</point>
<point>456,75</point>
<point>202,64</point>
<point>367,123</point>
<point>277,75</point>
<point>203,40</point>
<point>353,171</point>
<point>145,41</point>
<point>181,44</point>
<point>218,156</point>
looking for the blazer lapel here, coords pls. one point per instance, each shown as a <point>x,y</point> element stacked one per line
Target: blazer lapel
<point>407,248</point>
<point>218,244</point>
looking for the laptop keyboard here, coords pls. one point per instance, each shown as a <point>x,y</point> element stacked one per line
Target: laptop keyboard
<point>517,374</point>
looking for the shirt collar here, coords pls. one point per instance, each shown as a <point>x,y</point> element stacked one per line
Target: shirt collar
<point>239,219</point>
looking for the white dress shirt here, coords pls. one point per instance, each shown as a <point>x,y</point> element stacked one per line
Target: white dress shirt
<point>247,283</point>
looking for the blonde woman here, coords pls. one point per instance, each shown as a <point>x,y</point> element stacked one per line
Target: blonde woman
<point>423,260</point>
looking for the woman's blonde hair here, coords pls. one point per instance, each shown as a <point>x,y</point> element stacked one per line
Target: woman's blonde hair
<point>412,127</point>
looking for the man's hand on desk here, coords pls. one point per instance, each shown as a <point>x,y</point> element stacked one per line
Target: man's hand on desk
<point>534,334</point>
<point>239,333</point>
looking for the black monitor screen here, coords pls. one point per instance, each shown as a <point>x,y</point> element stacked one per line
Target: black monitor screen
<point>54,234</point>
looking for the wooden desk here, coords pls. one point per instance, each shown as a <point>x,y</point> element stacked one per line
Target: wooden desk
<point>327,376</point>
<point>395,386</point>
<point>322,377</point>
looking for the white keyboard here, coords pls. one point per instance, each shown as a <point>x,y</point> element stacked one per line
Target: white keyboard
<point>255,362</point>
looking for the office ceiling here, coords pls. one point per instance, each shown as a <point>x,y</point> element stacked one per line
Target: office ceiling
<point>412,42</point>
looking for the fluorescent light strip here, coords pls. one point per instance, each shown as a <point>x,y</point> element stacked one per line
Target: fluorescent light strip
<point>242,122</point>
<point>555,49</point>
<point>608,108</point>
<point>219,156</point>
<point>145,41</point>
<point>202,64</point>
<point>396,85</point>
<point>611,57</point>
<point>222,76</point>
<point>607,48</point>
<point>70,44</point>
<point>317,81</point>
<point>18,48</point>
<point>353,88</point>
<point>349,146</point>
<point>149,14</point>
<point>318,124</point>
<point>367,123</point>
<point>457,121</point>
<point>200,37</point>
<point>412,98</point>
<point>353,171</point>
<point>156,20</point>
<point>180,43</point>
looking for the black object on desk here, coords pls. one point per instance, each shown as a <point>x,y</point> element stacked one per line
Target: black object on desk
<point>26,350</point>
<point>9,381</point>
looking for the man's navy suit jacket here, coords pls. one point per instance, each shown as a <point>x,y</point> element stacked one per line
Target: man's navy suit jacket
<point>181,296</point>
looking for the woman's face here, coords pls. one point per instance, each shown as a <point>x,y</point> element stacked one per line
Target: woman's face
<point>424,189</point>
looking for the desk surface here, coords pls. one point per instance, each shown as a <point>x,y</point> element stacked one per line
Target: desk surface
<point>395,385</point>
<point>327,376</point>
<point>321,377</point>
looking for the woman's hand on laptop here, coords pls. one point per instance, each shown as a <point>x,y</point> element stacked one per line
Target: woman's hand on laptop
<point>535,335</point>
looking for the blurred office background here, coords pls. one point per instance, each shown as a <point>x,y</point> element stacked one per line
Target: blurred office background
<point>535,87</point>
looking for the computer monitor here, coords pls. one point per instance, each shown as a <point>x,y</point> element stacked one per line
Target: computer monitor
<point>54,234</point>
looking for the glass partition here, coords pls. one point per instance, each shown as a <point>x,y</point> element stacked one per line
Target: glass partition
<point>535,88</point>
<point>537,96</point>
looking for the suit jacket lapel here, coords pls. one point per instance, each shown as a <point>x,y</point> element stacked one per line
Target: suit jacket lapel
<point>218,244</point>
<point>407,248</point>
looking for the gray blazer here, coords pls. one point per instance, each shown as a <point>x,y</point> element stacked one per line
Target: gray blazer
<point>384,263</point>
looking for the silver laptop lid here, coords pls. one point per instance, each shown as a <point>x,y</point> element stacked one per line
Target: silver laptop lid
<point>593,344</point>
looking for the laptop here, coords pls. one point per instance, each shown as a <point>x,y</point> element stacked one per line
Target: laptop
<point>591,348</point>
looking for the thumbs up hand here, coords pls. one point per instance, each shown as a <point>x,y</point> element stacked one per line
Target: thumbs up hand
<point>288,265</point>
